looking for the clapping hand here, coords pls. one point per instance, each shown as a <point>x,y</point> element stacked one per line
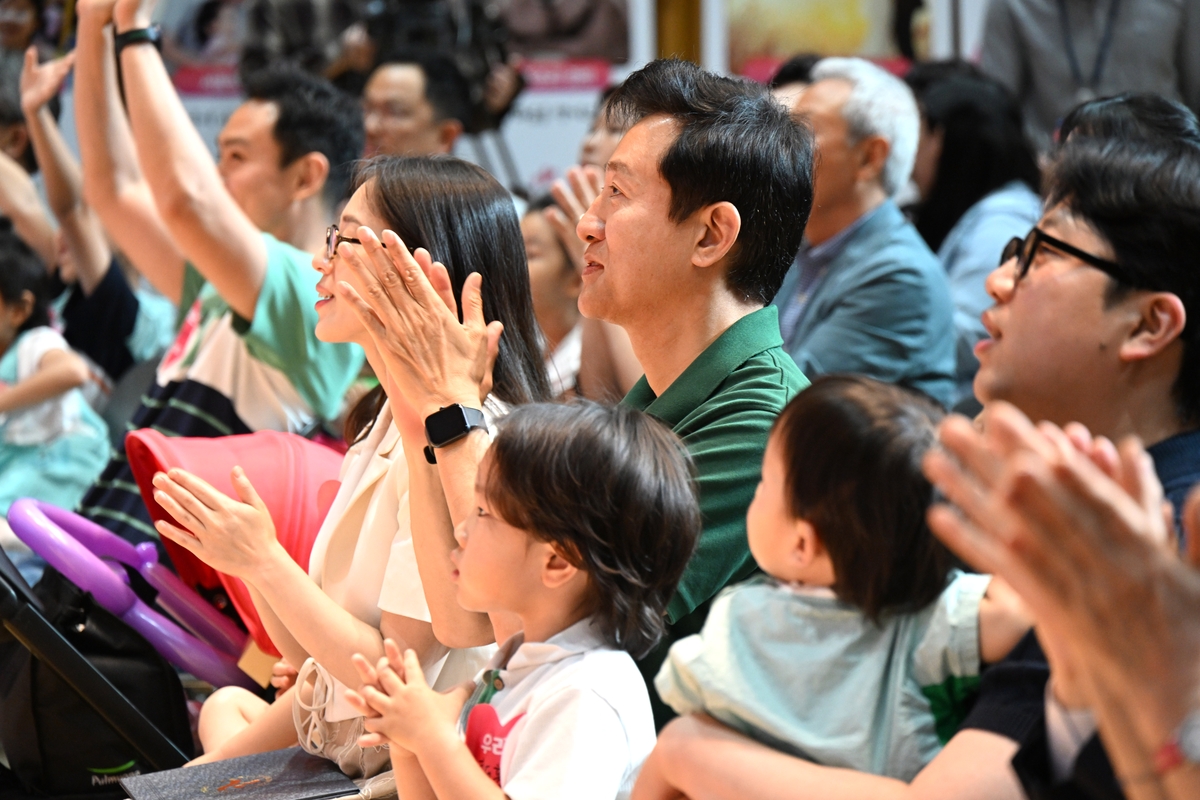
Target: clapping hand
<point>231,536</point>
<point>41,82</point>
<point>400,707</point>
<point>412,316</point>
<point>1077,527</point>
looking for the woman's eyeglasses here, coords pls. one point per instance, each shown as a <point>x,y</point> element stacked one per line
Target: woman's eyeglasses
<point>333,237</point>
<point>1025,250</point>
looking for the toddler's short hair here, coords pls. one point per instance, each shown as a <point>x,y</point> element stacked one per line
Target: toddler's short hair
<point>612,488</point>
<point>852,450</point>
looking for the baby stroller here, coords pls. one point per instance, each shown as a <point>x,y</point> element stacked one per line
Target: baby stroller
<point>87,691</point>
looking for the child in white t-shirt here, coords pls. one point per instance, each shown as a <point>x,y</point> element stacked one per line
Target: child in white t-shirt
<point>586,518</point>
<point>52,444</point>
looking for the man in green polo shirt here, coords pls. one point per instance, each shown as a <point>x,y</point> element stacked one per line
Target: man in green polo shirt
<point>701,215</point>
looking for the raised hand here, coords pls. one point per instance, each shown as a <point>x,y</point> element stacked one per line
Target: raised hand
<point>230,536</point>
<point>574,193</point>
<point>131,14</point>
<point>100,10</point>
<point>41,82</point>
<point>411,315</point>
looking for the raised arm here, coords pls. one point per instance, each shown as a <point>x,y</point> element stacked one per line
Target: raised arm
<point>112,181</point>
<point>432,361</point>
<point>81,229</point>
<point>20,203</point>
<point>212,231</point>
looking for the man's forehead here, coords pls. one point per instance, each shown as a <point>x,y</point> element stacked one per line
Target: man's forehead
<point>251,122</point>
<point>642,147</point>
<point>396,81</point>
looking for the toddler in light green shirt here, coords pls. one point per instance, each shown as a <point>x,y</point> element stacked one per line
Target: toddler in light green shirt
<point>862,644</point>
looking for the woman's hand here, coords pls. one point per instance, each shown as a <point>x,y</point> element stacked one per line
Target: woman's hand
<point>432,358</point>
<point>237,538</point>
<point>399,705</point>
<point>41,82</point>
<point>574,193</point>
<point>283,677</point>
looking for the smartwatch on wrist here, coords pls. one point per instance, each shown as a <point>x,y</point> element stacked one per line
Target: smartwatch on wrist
<point>1183,747</point>
<point>153,35</point>
<point>448,425</point>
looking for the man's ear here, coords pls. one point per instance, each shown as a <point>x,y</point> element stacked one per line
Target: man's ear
<point>448,131</point>
<point>1160,321</point>
<point>308,173</point>
<point>557,570</point>
<point>874,152</point>
<point>721,223</point>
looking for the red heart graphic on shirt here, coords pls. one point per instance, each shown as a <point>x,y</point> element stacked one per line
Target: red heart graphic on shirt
<point>486,738</point>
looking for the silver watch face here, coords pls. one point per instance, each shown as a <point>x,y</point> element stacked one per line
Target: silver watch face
<point>1189,737</point>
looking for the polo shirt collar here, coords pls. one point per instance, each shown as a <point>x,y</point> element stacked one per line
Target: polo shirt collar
<point>754,333</point>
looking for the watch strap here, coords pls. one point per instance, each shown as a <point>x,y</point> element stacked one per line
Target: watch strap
<point>152,34</point>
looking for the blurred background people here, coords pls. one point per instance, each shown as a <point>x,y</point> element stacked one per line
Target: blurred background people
<point>866,294</point>
<point>977,180</point>
<point>555,281</point>
<point>1054,54</point>
<point>415,105</point>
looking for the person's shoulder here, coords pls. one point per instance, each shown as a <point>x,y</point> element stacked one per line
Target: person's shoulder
<point>601,673</point>
<point>888,244</point>
<point>285,254</point>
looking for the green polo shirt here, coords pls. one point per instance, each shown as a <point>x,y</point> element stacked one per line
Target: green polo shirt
<point>723,406</point>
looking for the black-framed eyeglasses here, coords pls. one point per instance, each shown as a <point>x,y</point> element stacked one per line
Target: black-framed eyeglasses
<point>1025,250</point>
<point>333,237</point>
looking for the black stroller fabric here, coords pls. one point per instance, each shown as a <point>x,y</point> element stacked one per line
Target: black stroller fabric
<point>56,744</point>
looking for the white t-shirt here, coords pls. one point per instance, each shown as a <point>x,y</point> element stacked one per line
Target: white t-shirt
<point>51,418</point>
<point>363,556</point>
<point>563,364</point>
<point>572,720</point>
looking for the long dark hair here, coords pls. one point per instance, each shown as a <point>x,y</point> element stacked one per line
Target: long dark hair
<point>983,148</point>
<point>613,489</point>
<point>467,221</point>
<point>852,450</point>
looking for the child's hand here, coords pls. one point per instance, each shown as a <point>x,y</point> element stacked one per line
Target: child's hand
<point>233,537</point>
<point>411,715</point>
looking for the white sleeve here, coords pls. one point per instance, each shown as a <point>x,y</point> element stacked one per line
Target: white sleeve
<point>572,744</point>
<point>402,592</point>
<point>34,346</point>
<point>950,644</point>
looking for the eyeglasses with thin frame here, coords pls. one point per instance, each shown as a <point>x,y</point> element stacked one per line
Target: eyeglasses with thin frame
<point>333,237</point>
<point>1025,250</point>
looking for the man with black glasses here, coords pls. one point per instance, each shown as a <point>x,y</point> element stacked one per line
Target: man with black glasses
<point>1093,322</point>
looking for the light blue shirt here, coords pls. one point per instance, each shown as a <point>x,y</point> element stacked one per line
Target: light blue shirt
<point>969,253</point>
<point>811,264</point>
<point>803,672</point>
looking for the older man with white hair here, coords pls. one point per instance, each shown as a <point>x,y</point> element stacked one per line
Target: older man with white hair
<point>866,295</point>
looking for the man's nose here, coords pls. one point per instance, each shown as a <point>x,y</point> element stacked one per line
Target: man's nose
<point>591,226</point>
<point>1002,281</point>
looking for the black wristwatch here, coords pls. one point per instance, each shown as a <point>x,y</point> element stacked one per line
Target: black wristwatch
<point>448,425</point>
<point>153,35</point>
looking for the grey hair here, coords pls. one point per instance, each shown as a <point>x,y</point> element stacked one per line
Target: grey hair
<point>880,104</point>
